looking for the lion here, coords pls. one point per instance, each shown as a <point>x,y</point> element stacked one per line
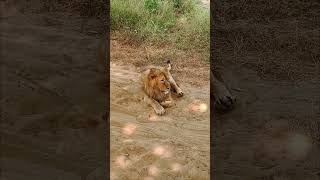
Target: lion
<point>157,86</point>
<point>223,100</point>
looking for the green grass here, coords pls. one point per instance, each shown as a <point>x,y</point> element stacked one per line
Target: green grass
<point>181,23</point>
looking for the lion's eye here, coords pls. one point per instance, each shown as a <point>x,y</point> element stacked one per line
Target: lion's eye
<point>162,80</point>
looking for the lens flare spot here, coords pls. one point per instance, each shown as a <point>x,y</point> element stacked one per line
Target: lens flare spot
<point>176,167</point>
<point>161,151</point>
<point>122,162</point>
<point>203,107</point>
<point>153,171</point>
<point>129,129</point>
<point>198,106</point>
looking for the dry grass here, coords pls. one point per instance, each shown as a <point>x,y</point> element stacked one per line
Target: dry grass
<point>187,65</point>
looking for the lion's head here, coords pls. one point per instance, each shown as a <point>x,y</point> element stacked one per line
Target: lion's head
<point>156,84</point>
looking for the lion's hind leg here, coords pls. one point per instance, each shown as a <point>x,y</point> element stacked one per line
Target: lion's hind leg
<point>172,81</point>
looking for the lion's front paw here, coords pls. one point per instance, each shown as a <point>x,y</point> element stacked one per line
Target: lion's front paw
<point>224,102</point>
<point>160,110</point>
<point>179,92</point>
<point>167,103</point>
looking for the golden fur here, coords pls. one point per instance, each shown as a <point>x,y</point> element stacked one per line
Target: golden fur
<point>156,85</point>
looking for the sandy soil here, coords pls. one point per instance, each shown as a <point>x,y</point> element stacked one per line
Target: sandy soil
<point>146,146</point>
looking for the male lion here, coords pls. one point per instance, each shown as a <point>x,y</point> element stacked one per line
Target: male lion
<point>156,85</point>
<point>222,98</point>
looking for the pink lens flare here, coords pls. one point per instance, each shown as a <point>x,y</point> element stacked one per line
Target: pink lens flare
<point>198,106</point>
<point>129,129</point>
<point>153,170</point>
<point>161,151</point>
